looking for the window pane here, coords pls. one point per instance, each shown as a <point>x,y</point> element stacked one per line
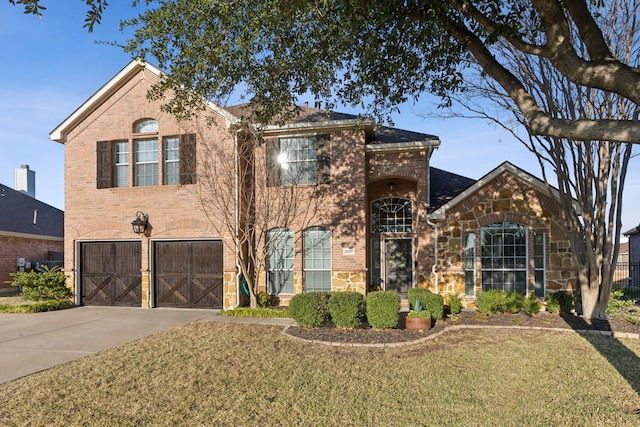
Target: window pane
<point>146,126</point>
<point>146,162</point>
<point>504,257</point>
<point>391,215</point>
<point>470,264</point>
<point>317,259</point>
<point>280,261</point>
<point>171,161</point>
<point>298,161</point>
<point>539,263</point>
<point>122,164</point>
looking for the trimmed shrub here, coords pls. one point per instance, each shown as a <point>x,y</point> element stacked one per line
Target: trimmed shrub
<point>513,302</point>
<point>559,302</point>
<point>454,304</point>
<point>347,309</point>
<point>532,305</point>
<point>264,299</point>
<point>495,300</point>
<point>383,309</point>
<point>433,303</point>
<point>45,284</point>
<point>310,310</point>
<point>491,301</point>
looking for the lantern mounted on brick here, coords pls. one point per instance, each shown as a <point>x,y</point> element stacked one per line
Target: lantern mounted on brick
<point>140,223</point>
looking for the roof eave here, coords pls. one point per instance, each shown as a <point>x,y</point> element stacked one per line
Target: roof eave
<point>272,130</point>
<point>403,147</point>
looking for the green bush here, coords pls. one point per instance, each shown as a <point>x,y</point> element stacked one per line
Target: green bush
<point>311,309</point>
<point>264,299</point>
<point>532,305</point>
<point>490,301</point>
<point>42,285</point>
<point>433,303</point>
<point>383,309</point>
<point>454,304</point>
<point>495,300</point>
<point>618,301</point>
<point>513,302</point>
<point>347,309</point>
<point>559,302</point>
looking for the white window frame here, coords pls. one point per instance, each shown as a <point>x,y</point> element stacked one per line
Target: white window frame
<point>316,259</point>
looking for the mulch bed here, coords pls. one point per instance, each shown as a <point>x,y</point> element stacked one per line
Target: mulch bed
<point>367,335</point>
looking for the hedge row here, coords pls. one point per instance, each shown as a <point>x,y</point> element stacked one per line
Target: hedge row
<point>350,309</point>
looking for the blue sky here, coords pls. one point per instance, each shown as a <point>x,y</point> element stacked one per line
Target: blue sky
<point>50,66</point>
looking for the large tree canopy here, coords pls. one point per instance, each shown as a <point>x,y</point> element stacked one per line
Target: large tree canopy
<point>378,53</point>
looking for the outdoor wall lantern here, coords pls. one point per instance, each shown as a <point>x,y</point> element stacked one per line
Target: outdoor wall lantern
<point>140,223</point>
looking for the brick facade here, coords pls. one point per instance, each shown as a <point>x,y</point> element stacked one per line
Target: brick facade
<point>361,171</point>
<point>30,248</point>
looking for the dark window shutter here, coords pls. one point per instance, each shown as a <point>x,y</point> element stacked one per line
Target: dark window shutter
<point>323,158</point>
<point>273,168</point>
<point>105,160</point>
<point>188,159</point>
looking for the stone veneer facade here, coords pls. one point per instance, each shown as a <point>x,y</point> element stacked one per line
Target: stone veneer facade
<point>504,199</point>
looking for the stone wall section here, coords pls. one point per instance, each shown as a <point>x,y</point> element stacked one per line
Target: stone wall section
<point>504,199</point>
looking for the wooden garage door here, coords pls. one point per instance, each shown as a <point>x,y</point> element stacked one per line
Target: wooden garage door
<point>188,274</point>
<point>110,273</point>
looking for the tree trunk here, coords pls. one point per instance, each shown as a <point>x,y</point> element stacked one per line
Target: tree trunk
<point>594,300</point>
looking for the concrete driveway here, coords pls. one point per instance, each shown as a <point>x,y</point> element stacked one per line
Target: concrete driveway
<point>31,343</point>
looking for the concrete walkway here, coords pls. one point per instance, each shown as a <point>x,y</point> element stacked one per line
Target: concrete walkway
<point>31,343</point>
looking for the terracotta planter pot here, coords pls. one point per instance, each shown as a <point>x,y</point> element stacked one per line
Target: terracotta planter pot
<point>418,323</point>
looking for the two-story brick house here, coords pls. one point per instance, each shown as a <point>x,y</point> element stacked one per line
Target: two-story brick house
<point>386,219</point>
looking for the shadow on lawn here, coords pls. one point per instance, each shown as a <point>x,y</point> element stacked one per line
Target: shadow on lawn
<point>625,361</point>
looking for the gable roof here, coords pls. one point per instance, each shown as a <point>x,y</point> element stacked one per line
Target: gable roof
<point>508,167</point>
<point>135,67</point>
<point>22,216</point>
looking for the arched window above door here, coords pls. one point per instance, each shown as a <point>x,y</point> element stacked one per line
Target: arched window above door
<point>392,215</point>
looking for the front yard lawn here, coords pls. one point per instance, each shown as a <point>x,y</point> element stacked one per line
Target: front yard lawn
<point>246,375</point>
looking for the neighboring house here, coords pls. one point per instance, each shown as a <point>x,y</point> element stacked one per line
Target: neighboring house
<point>30,231</point>
<point>634,255</point>
<point>389,221</point>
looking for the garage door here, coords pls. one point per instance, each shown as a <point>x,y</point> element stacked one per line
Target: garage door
<point>110,273</point>
<point>188,274</point>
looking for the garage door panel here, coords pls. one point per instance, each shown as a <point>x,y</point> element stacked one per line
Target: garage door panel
<point>110,273</point>
<point>188,274</point>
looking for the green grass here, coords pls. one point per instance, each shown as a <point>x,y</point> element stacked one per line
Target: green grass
<point>17,304</point>
<point>247,375</point>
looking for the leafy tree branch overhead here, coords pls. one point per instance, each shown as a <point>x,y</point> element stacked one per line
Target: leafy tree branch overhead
<point>92,17</point>
<point>380,54</point>
<point>377,53</point>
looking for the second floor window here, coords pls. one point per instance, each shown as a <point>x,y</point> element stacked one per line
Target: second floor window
<point>151,159</point>
<point>146,169</point>
<point>300,160</point>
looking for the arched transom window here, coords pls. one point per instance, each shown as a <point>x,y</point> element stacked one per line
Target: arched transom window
<point>391,215</point>
<point>145,126</point>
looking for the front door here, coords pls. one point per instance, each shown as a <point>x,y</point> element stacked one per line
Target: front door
<point>398,263</point>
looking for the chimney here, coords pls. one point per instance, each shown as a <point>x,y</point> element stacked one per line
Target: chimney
<point>25,181</point>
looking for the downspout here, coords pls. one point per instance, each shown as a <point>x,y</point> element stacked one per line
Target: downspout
<point>434,273</point>
<point>237,196</point>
